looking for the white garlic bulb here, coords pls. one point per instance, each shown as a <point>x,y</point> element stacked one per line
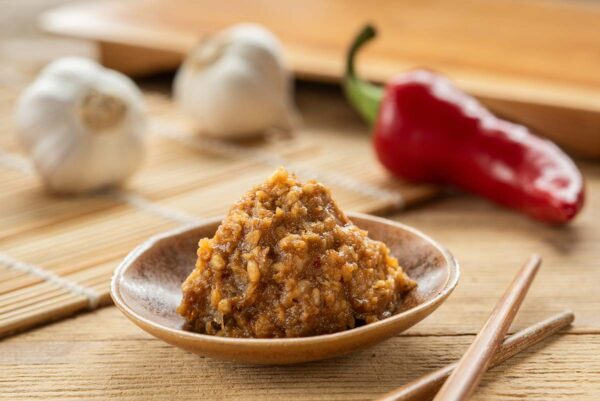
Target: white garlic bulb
<point>82,124</point>
<point>235,83</point>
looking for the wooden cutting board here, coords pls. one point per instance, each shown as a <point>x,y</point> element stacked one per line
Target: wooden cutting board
<point>535,61</point>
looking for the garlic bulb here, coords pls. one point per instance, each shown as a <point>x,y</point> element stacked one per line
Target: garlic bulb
<point>82,124</point>
<point>235,83</point>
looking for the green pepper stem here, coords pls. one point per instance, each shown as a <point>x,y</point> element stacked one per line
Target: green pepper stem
<point>364,96</point>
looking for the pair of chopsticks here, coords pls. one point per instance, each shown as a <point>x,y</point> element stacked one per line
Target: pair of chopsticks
<point>459,380</point>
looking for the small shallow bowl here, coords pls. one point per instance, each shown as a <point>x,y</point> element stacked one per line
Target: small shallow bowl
<point>146,288</point>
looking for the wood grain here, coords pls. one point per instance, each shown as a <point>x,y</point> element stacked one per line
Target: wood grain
<point>103,356</point>
<point>491,242</point>
<point>425,387</point>
<point>474,363</point>
<point>514,55</point>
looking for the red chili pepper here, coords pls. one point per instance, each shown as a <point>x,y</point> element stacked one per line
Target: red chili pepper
<point>427,130</point>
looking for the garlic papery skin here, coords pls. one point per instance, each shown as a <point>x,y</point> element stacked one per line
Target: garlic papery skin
<point>236,84</point>
<point>82,125</point>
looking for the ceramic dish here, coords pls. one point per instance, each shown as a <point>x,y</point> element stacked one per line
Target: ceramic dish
<point>146,288</point>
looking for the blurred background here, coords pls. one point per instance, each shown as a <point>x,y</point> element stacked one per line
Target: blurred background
<point>534,61</point>
<point>24,46</point>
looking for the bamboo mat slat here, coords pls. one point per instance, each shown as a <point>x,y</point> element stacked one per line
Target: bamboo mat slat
<point>185,177</point>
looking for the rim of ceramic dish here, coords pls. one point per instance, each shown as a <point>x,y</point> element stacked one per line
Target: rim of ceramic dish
<point>447,288</point>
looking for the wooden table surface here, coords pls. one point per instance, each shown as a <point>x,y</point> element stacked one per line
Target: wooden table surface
<point>101,355</point>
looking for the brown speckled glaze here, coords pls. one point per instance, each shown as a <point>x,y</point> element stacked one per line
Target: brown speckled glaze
<point>146,288</point>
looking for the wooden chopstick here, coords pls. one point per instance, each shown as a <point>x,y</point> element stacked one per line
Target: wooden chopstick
<point>425,387</point>
<point>471,367</point>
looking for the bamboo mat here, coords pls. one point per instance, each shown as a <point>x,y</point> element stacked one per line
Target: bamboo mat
<point>57,254</point>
